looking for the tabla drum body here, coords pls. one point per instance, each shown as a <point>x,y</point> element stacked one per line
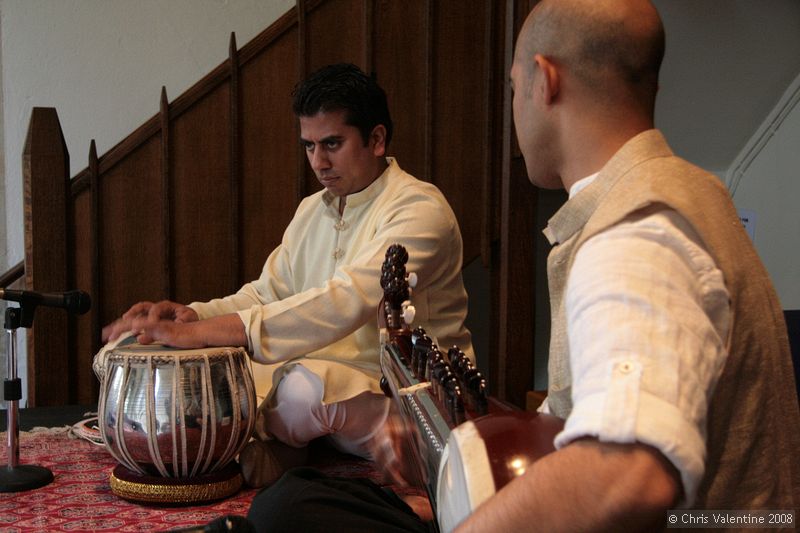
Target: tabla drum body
<point>168,413</point>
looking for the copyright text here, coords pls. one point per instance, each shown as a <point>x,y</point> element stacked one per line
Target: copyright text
<point>677,518</point>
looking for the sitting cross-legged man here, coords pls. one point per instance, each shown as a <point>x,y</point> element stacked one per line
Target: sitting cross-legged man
<point>309,319</point>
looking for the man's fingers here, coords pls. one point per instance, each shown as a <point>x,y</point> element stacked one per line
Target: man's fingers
<point>168,333</point>
<point>148,332</point>
<point>112,331</point>
<point>163,310</point>
<point>185,314</point>
<point>138,309</point>
<point>144,314</point>
<point>144,338</point>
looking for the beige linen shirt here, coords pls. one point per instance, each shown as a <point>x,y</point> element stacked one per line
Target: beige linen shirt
<point>316,300</point>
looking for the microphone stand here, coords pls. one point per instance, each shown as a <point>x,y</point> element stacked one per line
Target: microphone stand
<point>16,477</point>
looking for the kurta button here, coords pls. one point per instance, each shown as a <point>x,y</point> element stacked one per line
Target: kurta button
<point>338,253</point>
<point>340,225</point>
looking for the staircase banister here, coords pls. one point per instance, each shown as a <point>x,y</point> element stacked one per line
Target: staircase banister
<point>13,274</point>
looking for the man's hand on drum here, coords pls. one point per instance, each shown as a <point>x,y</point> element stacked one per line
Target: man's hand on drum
<point>171,333</point>
<point>146,314</point>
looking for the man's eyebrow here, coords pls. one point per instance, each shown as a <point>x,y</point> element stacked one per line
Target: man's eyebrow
<point>327,139</point>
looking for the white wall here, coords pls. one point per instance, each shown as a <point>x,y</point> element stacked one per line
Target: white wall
<point>727,63</point>
<point>101,64</point>
<point>765,180</point>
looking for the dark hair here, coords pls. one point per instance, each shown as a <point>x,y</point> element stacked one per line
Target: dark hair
<point>344,87</point>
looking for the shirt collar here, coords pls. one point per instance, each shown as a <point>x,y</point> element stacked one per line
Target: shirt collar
<point>572,216</point>
<point>582,183</point>
<point>369,192</point>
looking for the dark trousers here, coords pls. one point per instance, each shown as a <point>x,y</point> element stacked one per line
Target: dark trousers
<point>306,500</point>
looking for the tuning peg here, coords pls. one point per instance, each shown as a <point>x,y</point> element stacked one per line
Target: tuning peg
<point>409,312</point>
<point>412,279</point>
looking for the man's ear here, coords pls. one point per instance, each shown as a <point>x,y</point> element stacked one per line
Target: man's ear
<point>377,140</point>
<point>550,81</point>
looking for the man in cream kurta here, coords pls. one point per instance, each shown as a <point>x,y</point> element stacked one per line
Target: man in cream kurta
<point>326,272</point>
<point>310,320</point>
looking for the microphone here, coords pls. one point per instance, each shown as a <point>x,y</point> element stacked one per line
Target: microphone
<point>77,302</point>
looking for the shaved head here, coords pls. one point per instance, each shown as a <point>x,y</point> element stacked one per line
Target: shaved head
<point>613,47</point>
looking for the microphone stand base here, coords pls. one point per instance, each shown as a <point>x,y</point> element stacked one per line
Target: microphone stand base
<point>24,477</point>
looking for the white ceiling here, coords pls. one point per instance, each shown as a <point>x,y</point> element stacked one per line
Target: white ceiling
<point>727,64</point>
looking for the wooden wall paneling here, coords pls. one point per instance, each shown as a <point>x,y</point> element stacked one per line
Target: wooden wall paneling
<point>517,271</point>
<point>429,87</point>
<point>335,33</point>
<point>401,54</point>
<point>269,151</point>
<point>95,245</point>
<point>45,170</point>
<point>500,110</point>
<point>493,147</point>
<point>460,125</point>
<point>234,170</point>
<point>202,215</point>
<point>498,364</point>
<point>501,128</point>
<point>368,26</point>
<point>83,346</point>
<point>168,276</point>
<point>95,257</point>
<point>301,178</point>
<point>131,262</point>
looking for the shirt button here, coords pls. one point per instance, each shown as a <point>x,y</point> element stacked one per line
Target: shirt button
<point>338,253</point>
<point>340,225</point>
<point>626,367</point>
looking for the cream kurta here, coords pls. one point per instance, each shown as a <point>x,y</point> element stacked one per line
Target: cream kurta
<point>316,300</point>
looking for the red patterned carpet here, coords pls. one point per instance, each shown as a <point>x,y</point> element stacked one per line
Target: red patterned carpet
<point>80,498</point>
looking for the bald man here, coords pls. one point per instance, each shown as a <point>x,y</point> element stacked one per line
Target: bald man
<point>669,358</point>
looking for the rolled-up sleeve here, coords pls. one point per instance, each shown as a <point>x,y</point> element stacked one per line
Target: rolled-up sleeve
<point>648,319</point>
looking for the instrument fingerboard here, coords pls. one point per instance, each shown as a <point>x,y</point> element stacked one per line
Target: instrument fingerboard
<point>465,443</point>
<point>435,391</point>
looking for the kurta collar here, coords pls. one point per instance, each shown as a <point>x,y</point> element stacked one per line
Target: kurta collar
<point>370,192</point>
<point>574,214</point>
